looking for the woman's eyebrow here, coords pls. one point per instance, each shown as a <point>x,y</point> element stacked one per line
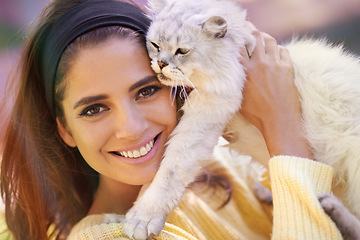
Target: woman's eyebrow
<point>88,100</point>
<point>142,82</point>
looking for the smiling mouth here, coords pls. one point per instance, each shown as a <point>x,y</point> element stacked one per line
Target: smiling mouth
<point>138,152</point>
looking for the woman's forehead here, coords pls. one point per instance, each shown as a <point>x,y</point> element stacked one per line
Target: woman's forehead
<point>115,62</point>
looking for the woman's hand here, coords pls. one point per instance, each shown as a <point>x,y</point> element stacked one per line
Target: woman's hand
<point>271,99</point>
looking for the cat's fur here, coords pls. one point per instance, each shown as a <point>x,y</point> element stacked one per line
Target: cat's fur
<point>346,222</point>
<point>201,40</point>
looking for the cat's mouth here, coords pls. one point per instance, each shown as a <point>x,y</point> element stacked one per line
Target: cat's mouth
<point>174,78</point>
<point>164,79</point>
<point>169,81</point>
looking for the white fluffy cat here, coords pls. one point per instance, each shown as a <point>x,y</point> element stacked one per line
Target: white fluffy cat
<point>196,44</point>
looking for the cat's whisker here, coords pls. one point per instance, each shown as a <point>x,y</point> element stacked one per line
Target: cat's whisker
<point>182,92</point>
<point>173,91</point>
<point>186,96</point>
<point>173,82</point>
<point>174,97</point>
<point>193,87</point>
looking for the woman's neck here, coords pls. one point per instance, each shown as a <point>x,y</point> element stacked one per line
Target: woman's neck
<point>113,197</point>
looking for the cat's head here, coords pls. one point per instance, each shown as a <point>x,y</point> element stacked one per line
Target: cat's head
<point>181,42</point>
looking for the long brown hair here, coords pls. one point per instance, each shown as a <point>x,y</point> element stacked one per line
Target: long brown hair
<point>47,187</point>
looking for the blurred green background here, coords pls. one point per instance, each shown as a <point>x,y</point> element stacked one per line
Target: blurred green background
<point>15,17</point>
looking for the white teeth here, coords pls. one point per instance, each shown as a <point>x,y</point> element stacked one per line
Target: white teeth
<point>143,151</point>
<point>138,153</point>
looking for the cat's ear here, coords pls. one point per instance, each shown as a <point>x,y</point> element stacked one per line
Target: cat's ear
<point>215,26</point>
<point>155,6</point>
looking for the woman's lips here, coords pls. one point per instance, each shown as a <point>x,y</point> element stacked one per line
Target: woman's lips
<point>141,155</point>
<point>137,153</point>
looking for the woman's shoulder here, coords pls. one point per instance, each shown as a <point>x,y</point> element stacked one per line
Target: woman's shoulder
<point>94,227</point>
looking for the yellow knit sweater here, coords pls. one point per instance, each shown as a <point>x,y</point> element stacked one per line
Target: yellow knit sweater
<point>296,213</point>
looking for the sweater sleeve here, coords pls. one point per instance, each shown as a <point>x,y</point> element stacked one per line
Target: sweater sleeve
<point>295,183</point>
<point>92,228</point>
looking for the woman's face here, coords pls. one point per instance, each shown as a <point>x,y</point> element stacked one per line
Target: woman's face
<point>117,113</point>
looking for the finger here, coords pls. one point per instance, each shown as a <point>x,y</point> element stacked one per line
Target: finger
<point>271,46</point>
<point>253,29</point>
<point>244,55</point>
<point>259,50</point>
<point>284,54</point>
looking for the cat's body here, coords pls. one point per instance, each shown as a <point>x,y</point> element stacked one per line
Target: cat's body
<point>206,111</point>
<point>201,40</point>
<point>328,81</point>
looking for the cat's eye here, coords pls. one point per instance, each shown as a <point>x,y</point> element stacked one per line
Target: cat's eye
<point>155,45</point>
<point>182,51</point>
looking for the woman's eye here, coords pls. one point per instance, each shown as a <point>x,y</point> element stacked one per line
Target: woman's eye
<point>182,51</point>
<point>93,110</point>
<point>147,91</point>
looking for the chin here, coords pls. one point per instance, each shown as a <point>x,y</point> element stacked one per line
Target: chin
<point>143,181</point>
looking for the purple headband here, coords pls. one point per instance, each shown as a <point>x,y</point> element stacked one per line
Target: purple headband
<point>78,20</point>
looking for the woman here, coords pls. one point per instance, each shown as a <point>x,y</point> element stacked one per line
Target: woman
<point>90,123</point>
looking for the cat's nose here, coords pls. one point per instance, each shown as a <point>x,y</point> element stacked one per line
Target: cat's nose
<point>162,64</point>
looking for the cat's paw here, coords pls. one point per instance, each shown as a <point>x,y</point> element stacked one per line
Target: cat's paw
<point>263,193</point>
<point>332,206</point>
<point>112,218</point>
<point>346,222</point>
<point>143,223</point>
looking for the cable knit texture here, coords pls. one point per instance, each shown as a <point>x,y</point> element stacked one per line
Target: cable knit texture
<point>297,214</point>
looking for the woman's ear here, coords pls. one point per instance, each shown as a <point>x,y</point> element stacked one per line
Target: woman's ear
<point>65,134</point>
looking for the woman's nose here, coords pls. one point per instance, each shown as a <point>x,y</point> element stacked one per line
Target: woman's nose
<point>130,123</point>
